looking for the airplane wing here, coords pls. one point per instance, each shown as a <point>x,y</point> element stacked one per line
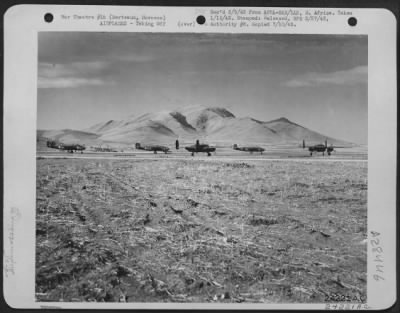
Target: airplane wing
<point>341,147</point>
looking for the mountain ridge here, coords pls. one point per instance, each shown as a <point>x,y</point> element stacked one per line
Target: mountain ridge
<point>211,124</point>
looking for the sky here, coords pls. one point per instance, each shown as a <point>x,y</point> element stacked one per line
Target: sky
<point>317,81</point>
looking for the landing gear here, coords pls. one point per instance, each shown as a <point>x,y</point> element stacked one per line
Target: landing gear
<point>192,153</point>
<point>155,152</point>
<point>208,154</point>
<point>310,153</point>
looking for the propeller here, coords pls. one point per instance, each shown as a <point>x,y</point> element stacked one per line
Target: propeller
<point>330,149</point>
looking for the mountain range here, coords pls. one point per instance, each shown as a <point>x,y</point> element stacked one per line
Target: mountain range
<point>214,125</point>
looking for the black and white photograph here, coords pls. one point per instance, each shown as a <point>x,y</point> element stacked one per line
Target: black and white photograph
<point>201,167</point>
<point>199,158</point>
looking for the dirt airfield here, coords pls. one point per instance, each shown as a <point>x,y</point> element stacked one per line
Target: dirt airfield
<point>200,230</point>
<point>273,152</point>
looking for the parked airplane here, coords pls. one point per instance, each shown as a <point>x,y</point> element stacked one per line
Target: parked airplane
<point>104,149</point>
<point>200,148</point>
<point>250,149</point>
<point>67,147</point>
<point>319,148</point>
<point>72,148</point>
<point>53,144</point>
<point>153,148</point>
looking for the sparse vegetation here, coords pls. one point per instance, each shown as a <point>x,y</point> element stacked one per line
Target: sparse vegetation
<point>200,231</point>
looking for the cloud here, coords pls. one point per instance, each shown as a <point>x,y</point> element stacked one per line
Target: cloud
<point>70,82</point>
<point>354,76</point>
<point>71,75</point>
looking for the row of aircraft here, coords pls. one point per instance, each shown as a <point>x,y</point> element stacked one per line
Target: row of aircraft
<point>196,148</point>
<point>61,146</point>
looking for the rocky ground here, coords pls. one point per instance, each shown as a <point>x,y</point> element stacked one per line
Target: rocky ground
<point>200,231</point>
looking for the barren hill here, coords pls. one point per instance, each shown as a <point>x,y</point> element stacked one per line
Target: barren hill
<point>70,136</point>
<point>210,124</point>
<point>290,131</point>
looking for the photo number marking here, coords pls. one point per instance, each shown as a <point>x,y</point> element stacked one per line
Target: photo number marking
<point>377,251</point>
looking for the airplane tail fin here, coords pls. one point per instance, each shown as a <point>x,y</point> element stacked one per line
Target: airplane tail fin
<point>235,146</point>
<point>304,143</point>
<point>137,145</point>
<point>326,143</point>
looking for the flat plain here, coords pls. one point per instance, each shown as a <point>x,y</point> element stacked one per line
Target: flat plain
<point>200,230</point>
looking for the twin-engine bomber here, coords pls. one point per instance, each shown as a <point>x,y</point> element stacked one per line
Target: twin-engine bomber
<point>67,147</point>
<point>200,148</point>
<point>153,148</point>
<point>321,148</point>
<point>250,149</point>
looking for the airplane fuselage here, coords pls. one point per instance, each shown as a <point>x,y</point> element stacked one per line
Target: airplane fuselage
<point>72,148</point>
<point>61,146</point>
<point>154,148</point>
<point>320,148</point>
<point>200,148</point>
<point>249,149</point>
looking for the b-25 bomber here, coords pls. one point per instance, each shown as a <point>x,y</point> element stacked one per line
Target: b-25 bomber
<point>66,147</point>
<point>73,148</point>
<point>200,148</point>
<point>321,148</point>
<point>154,148</point>
<point>250,149</point>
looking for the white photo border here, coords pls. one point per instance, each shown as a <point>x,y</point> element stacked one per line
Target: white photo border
<point>22,24</point>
